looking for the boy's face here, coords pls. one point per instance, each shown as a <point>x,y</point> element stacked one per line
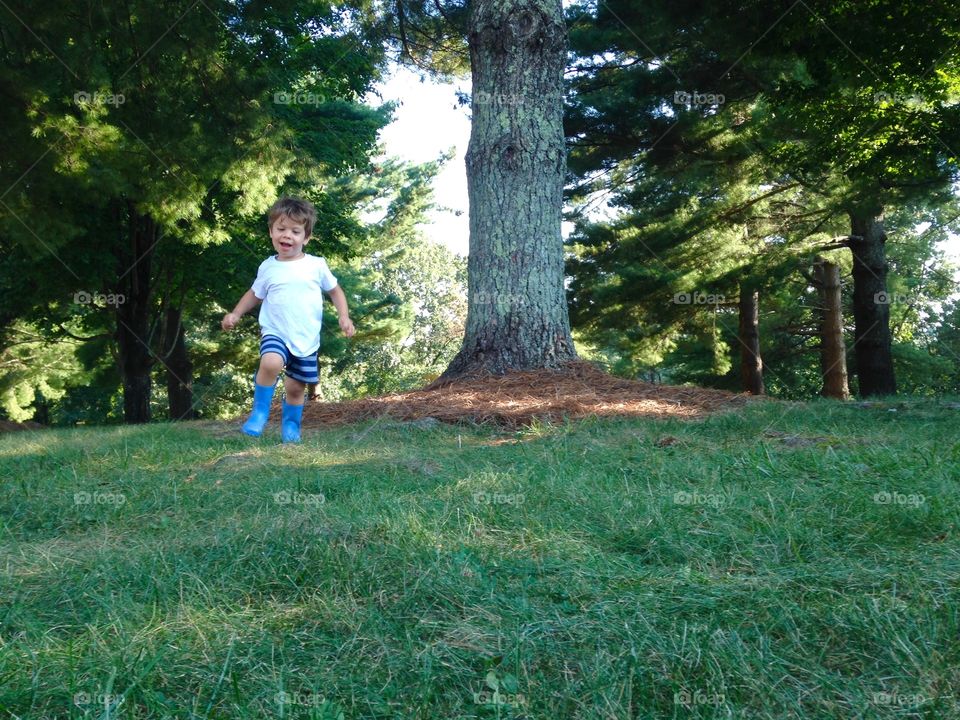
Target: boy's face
<point>288,238</point>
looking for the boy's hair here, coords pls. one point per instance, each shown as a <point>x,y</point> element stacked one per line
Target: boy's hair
<point>300,211</point>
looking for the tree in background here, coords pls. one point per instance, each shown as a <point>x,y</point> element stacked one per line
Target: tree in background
<point>702,122</point>
<point>833,352</point>
<point>140,131</point>
<point>517,315</point>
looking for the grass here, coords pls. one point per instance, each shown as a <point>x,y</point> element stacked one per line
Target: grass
<point>782,561</point>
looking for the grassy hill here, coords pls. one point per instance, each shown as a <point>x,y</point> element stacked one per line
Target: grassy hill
<point>779,561</point>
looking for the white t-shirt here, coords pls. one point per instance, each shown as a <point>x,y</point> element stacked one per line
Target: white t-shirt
<point>292,294</point>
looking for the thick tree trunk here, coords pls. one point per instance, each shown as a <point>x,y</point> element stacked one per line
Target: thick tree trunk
<point>751,366</point>
<point>179,367</point>
<point>833,351</point>
<point>133,317</point>
<point>871,308</point>
<point>517,310</point>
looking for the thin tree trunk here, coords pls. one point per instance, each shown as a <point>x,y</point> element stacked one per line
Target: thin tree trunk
<point>517,310</point>
<point>133,317</point>
<point>179,367</point>
<point>871,309</point>
<point>833,351</point>
<point>751,365</point>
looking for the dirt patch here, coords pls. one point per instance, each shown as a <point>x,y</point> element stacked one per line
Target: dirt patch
<point>10,426</point>
<point>576,390</point>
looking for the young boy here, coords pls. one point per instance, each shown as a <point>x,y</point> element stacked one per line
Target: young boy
<point>290,284</point>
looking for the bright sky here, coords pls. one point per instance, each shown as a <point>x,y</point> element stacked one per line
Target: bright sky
<point>427,123</point>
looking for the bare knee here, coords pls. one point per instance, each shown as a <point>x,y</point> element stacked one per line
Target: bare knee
<point>270,366</point>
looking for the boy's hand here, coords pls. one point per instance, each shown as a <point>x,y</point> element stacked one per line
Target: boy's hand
<point>346,325</point>
<point>229,321</point>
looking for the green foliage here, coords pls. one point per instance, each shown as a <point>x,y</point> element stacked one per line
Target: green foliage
<point>155,136</point>
<point>428,35</point>
<point>728,166</point>
<point>412,344</point>
<point>195,119</point>
<point>947,344</point>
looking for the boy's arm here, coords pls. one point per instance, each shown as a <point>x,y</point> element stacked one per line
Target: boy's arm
<point>247,303</point>
<point>343,314</point>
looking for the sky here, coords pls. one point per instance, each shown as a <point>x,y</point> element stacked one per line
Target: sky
<point>427,123</point>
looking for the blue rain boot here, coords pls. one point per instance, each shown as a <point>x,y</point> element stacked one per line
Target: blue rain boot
<point>290,425</point>
<point>262,396</point>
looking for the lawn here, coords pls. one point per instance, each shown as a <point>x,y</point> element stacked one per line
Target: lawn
<point>782,560</point>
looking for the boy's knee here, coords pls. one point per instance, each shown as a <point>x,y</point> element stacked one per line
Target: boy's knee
<point>272,363</point>
<point>294,389</point>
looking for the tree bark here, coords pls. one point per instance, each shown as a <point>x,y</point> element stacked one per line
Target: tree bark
<point>871,308</point>
<point>516,161</point>
<point>833,351</point>
<point>133,317</point>
<point>179,367</point>
<point>751,365</point>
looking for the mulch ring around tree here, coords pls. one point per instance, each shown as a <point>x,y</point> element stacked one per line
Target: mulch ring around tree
<point>576,390</point>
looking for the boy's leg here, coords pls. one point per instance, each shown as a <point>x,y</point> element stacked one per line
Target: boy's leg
<point>271,364</point>
<point>299,373</point>
<point>295,390</point>
<point>292,409</point>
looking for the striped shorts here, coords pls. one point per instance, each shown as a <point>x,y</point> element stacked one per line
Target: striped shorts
<point>303,369</point>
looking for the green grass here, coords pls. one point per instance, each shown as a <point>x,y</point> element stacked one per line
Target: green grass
<point>585,571</point>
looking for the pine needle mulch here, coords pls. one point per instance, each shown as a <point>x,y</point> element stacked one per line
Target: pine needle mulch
<point>577,390</point>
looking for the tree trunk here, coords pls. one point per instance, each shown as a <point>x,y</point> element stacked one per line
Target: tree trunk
<point>179,367</point>
<point>871,308</point>
<point>517,310</point>
<point>133,317</point>
<point>751,366</point>
<point>833,351</point>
